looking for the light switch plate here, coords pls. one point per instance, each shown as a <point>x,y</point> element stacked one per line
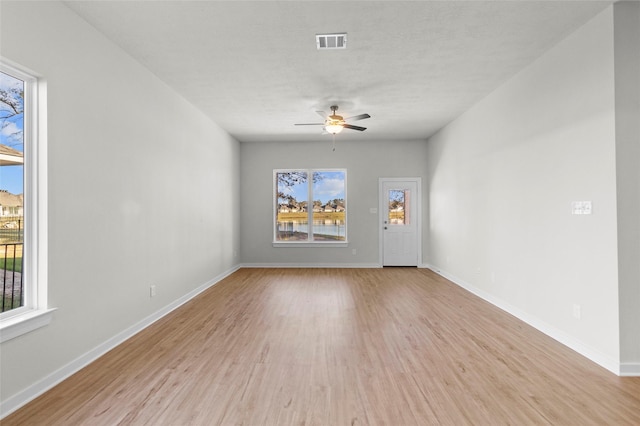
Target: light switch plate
<point>581,207</point>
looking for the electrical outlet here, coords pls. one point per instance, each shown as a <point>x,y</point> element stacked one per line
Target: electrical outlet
<point>577,311</point>
<point>354,252</point>
<point>152,291</point>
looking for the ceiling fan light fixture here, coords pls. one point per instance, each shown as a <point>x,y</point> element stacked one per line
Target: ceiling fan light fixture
<point>334,128</point>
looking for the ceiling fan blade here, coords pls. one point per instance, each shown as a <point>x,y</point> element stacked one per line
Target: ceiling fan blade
<point>322,114</point>
<point>349,126</point>
<point>309,124</point>
<point>358,117</point>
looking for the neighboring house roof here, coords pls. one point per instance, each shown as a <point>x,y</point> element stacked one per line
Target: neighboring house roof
<point>10,156</point>
<point>8,199</point>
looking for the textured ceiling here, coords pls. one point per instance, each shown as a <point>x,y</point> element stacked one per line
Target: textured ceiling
<point>414,66</point>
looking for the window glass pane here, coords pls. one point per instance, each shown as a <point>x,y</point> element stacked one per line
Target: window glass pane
<point>11,190</point>
<point>399,207</point>
<point>292,206</point>
<point>329,207</point>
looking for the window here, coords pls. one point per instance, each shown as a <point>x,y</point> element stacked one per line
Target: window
<point>22,206</point>
<point>310,206</point>
<point>399,207</point>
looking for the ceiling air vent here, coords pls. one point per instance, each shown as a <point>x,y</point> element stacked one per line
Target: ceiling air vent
<point>331,41</point>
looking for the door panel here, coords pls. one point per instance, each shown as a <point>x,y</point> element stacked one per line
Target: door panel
<point>400,222</point>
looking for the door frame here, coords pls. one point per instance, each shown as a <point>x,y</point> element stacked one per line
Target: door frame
<point>381,209</point>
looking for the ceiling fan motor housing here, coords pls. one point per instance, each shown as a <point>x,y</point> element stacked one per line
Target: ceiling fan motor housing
<point>335,118</point>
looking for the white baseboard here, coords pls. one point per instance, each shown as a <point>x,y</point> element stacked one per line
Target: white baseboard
<point>16,401</point>
<point>569,341</point>
<point>630,369</point>
<point>311,265</point>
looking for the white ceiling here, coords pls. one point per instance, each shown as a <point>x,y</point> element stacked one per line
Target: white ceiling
<point>414,66</point>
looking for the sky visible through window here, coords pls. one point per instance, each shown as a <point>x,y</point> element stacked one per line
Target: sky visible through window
<point>328,186</point>
<point>11,129</point>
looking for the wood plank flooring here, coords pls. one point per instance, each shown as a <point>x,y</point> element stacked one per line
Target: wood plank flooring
<point>398,346</point>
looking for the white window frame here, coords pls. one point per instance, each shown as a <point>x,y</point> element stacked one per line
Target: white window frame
<point>34,313</point>
<point>310,242</point>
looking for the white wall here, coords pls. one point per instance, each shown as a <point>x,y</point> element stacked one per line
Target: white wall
<point>365,162</point>
<point>142,187</point>
<point>501,181</point>
<point>627,69</point>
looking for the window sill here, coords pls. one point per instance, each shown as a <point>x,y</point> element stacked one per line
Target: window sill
<point>24,323</point>
<point>309,244</point>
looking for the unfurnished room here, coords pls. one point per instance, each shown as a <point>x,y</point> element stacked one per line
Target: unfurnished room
<point>320,212</point>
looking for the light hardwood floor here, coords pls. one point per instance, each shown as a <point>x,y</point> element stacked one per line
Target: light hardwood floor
<point>338,347</point>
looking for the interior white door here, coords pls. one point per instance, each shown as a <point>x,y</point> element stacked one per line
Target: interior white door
<point>400,207</point>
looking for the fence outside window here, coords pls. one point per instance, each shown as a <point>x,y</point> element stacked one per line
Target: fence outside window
<point>11,249</point>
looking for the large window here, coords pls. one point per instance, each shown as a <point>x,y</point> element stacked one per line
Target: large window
<point>12,135</point>
<point>310,206</point>
<point>22,206</point>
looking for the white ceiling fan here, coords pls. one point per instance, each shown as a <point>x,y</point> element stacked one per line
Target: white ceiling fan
<point>335,123</point>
